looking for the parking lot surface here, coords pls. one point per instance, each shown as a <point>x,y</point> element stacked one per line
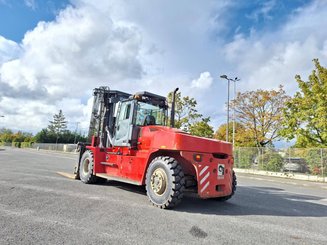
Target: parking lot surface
<point>39,206</point>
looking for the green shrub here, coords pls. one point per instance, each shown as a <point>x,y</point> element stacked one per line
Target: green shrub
<point>244,157</point>
<point>16,144</point>
<point>317,159</point>
<point>26,144</point>
<point>271,161</point>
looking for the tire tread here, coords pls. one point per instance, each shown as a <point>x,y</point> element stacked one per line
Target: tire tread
<point>178,182</point>
<point>90,178</point>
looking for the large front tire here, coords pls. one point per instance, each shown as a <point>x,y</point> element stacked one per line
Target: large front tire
<point>165,182</point>
<point>86,168</point>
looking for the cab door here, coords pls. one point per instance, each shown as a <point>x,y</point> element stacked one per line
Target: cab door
<point>124,124</point>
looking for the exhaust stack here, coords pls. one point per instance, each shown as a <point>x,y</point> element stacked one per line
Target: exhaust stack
<point>172,115</point>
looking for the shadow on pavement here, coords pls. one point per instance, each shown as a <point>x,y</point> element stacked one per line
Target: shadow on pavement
<point>247,201</point>
<point>124,186</point>
<point>257,201</point>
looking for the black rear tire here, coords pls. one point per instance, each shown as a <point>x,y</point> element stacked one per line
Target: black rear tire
<point>86,168</point>
<point>234,184</point>
<point>165,182</point>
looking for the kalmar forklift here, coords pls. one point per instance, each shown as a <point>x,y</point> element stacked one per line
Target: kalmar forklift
<point>130,141</point>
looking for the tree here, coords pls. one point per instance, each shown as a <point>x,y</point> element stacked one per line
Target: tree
<point>185,111</point>
<point>306,113</point>
<point>45,136</point>
<point>58,126</point>
<point>187,117</point>
<point>317,159</point>
<point>202,128</point>
<point>243,137</point>
<point>8,136</point>
<point>260,112</point>
<point>22,137</point>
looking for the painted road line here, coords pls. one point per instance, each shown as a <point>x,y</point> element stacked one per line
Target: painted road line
<point>67,175</point>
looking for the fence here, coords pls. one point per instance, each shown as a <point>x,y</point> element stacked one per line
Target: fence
<point>42,146</point>
<point>306,161</point>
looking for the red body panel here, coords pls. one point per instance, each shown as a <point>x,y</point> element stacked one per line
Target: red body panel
<point>158,137</point>
<point>131,164</point>
<point>214,176</point>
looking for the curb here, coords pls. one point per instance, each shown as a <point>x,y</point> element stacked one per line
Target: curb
<point>312,178</point>
<point>45,150</point>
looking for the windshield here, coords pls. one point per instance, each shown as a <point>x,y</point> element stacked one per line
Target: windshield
<point>146,111</point>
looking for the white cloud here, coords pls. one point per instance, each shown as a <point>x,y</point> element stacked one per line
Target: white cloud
<point>82,49</point>
<point>8,50</point>
<point>264,11</point>
<point>270,59</point>
<point>96,43</point>
<point>117,43</point>
<point>29,115</point>
<point>203,82</point>
<point>31,4</point>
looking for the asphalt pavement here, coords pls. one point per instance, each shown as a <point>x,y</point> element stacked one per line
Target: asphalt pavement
<point>39,206</point>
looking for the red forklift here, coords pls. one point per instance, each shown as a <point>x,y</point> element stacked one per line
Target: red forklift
<point>131,142</point>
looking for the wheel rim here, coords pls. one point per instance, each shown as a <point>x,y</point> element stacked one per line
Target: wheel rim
<point>86,164</point>
<point>159,181</point>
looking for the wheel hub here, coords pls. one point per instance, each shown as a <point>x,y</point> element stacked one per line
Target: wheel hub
<point>86,164</point>
<point>159,181</point>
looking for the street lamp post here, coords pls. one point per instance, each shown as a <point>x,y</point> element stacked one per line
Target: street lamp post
<point>227,126</point>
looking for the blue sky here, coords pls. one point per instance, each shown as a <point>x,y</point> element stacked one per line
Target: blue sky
<point>19,16</point>
<point>259,15</point>
<point>53,53</point>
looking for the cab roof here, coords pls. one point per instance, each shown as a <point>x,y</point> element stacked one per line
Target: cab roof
<point>148,97</point>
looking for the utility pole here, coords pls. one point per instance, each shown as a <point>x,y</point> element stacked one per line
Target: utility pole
<point>234,118</point>
<point>227,126</point>
<point>76,132</point>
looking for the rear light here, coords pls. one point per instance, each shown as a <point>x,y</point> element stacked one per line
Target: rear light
<point>197,157</point>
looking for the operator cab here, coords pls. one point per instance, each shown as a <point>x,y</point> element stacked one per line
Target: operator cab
<point>151,109</point>
<point>139,110</point>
